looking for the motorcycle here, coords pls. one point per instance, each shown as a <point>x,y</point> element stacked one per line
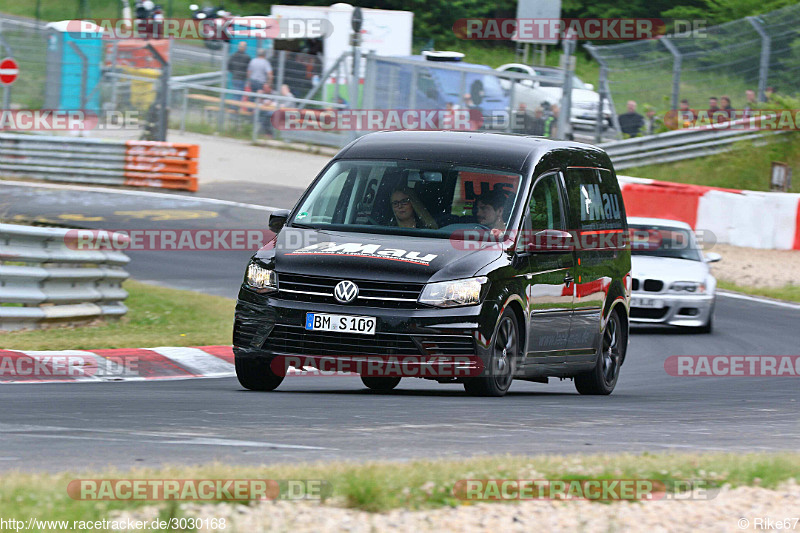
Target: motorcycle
<point>211,19</point>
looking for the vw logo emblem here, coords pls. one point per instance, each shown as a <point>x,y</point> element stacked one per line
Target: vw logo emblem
<point>345,291</point>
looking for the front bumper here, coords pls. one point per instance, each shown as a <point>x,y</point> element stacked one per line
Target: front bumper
<point>266,326</point>
<point>671,309</point>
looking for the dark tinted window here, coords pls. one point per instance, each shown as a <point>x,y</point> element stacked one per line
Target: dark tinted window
<point>544,210</point>
<point>595,199</point>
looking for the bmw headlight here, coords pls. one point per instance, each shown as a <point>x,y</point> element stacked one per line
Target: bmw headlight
<point>453,293</point>
<point>691,287</point>
<point>261,279</point>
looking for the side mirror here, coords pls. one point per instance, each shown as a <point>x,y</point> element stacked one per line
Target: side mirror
<point>548,241</point>
<point>589,87</point>
<point>712,257</point>
<point>277,219</point>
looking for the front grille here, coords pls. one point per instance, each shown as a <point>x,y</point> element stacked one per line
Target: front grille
<point>318,289</point>
<point>243,333</point>
<point>448,345</point>
<point>653,285</point>
<point>635,284</point>
<point>296,340</point>
<point>653,314</point>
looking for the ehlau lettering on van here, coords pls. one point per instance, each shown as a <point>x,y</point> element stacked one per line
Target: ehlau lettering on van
<point>375,251</point>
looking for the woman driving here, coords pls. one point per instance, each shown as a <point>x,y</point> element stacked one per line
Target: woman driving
<point>409,212</point>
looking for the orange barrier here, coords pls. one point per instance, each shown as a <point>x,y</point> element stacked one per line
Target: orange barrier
<point>161,164</point>
<point>134,52</point>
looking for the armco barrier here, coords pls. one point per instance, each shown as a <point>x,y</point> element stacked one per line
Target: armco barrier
<point>110,162</point>
<point>680,144</point>
<point>768,220</point>
<point>42,280</point>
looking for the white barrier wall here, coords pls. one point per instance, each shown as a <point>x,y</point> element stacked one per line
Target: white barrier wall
<point>768,220</point>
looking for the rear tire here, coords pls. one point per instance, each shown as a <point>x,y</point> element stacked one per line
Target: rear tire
<point>379,383</point>
<point>502,363</point>
<point>256,374</point>
<point>602,379</point>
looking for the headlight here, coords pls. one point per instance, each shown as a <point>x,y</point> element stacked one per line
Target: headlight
<point>261,279</point>
<point>691,287</point>
<point>453,293</point>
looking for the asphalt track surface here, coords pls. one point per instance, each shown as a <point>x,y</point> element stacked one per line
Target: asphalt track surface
<point>93,425</point>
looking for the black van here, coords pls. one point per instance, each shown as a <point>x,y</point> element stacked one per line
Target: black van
<point>507,251</point>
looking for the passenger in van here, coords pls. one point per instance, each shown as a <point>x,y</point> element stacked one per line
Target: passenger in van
<point>409,212</point>
<point>490,208</point>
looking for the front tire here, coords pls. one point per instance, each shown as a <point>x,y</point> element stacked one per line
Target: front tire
<point>708,327</point>
<point>502,363</point>
<point>602,379</point>
<point>256,374</point>
<point>380,383</point>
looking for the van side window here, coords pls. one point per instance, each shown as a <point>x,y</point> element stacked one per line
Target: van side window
<point>544,209</point>
<point>595,198</point>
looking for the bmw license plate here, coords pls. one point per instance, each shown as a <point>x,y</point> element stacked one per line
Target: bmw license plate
<point>646,302</point>
<point>342,323</point>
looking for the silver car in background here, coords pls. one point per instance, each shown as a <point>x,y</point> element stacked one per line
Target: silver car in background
<point>547,90</point>
<point>672,282</point>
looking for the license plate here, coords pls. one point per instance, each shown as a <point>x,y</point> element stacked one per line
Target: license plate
<point>342,323</point>
<point>646,302</point>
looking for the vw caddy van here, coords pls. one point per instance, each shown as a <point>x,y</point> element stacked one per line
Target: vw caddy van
<point>470,258</point>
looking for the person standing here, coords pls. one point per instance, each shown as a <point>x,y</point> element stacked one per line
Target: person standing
<point>751,104</point>
<point>237,66</point>
<point>537,122</point>
<point>631,122</point>
<point>651,122</point>
<point>727,109</point>
<point>259,72</point>
<point>686,115</point>
<point>551,122</point>
<point>713,111</point>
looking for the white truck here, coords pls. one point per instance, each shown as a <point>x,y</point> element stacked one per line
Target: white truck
<point>386,32</point>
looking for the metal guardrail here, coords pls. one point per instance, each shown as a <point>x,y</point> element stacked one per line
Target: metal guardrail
<point>46,281</point>
<point>679,145</point>
<point>109,162</point>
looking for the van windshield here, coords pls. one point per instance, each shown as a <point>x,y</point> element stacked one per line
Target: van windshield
<point>420,198</point>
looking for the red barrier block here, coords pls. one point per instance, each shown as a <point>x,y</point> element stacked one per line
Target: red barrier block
<point>675,203</point>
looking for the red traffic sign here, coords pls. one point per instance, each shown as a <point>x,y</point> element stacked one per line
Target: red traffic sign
<point>9,70</point>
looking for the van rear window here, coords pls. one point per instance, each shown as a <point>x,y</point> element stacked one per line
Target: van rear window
<point>595,195</point>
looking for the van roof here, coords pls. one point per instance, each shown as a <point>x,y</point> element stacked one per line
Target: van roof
<point>483,149</point>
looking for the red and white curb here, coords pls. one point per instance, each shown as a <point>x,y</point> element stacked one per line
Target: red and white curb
<point>26,366</point>
<point>753,219</point>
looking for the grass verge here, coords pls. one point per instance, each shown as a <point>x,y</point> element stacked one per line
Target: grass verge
<point>157,316</point>
<point>380,486</point>
<point>790,293</point>
<point>745,167</point>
